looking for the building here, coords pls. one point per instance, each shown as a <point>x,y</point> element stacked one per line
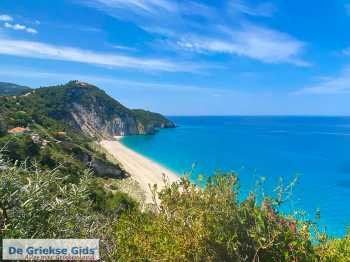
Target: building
<point>18,130</point>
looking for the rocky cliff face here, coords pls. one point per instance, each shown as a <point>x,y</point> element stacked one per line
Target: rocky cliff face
<point>93,123</point>
<point>96,114</point>
<point>101,167</point>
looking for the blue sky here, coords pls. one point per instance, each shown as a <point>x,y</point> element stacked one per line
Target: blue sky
<point>229,57</point>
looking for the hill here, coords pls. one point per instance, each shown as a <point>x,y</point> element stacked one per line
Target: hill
<point>10,89</point>
<point>85,107</point>
<point>59,125</point>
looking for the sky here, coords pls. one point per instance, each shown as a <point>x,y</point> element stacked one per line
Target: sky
<point>188,57</point>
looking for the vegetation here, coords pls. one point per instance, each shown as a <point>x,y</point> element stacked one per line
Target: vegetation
<point>53,138</point>
<point>151,119</point>
<point>39,204</point>
<point>189,224</point>
<point>335,249</point>
<point>46,105</point>
<point>3,128</point>
<point>9,89</point>
<point>49,142</point>
<point>48,152</point>
<point>210,224</point>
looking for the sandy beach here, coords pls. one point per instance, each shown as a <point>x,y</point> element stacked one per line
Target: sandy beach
<point>145,171</point>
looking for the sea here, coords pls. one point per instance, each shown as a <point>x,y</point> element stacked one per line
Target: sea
<point>314,151</point>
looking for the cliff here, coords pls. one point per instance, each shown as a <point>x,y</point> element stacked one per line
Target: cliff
<point>89,109</point>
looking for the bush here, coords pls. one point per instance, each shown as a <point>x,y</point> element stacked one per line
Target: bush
<point>44,204</point>
<point>335,249</point>
<point>47,160</point>
<point>39,204</point>
<point>186,223</point>
<point>31,149</point>
<point>20,147</point>
<point>3,128</point>
<point>110,202</point>
<point>20,118</point>
<point>194,224</point>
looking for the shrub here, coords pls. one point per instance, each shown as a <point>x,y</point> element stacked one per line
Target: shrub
<point>44,204</point>
<point>39,204</point>
<point>210,224</point>
<point>186,223</point>
<point>3,128</point>
<point>110,202</point>
<point>20,147</point>
<point>20,118</point>
<point>335,249</point>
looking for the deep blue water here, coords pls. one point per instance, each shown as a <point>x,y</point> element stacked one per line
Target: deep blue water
<point>316,149</point>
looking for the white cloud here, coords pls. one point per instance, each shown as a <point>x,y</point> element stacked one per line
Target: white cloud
<point>32,30</point>
<point>53,52</point>
<point>6,18</point>
<point>101,81</point>
<point>330,85</point>
<point>258,43</point>
<point>146,7</point>
<point>151,8</point>
<point>197,9</point>
<point>19,27</point>
<point>156,16</point>
<point>124,48</point>
<point>180,24</point>
<point>263,9</point>
<point>15,26</point>
<point>164,17</point>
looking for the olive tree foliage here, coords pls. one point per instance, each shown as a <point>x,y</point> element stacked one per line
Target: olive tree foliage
<point>45,204</point>
<point>39,204</point>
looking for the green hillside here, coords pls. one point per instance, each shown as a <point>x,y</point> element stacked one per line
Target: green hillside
<point>54,137</point>
<point>9,89</point>
<point>75,102</point>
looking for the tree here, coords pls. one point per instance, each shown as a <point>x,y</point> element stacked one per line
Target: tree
<point>3,128</point>
<point>32,149</point>
<point>20,118</point>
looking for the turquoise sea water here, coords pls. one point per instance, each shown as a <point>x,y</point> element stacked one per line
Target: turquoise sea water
<point>316,149</point>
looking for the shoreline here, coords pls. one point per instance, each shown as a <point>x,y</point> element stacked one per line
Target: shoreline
<point>142,169</point>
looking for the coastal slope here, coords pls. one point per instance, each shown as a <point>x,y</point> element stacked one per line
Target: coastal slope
<point>145,171</point>
<point>90,110</point>
<point>60,125</point>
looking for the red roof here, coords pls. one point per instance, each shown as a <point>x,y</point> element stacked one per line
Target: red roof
<point>17,130</point>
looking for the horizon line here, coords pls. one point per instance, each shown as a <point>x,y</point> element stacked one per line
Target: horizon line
<point>251,115</point>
